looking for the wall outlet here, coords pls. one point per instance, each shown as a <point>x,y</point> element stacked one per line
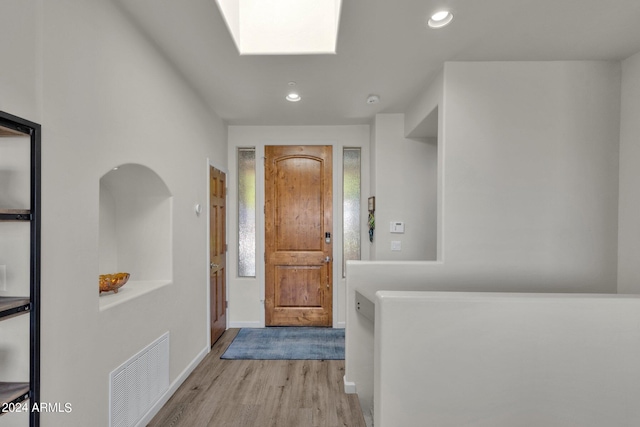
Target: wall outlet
<point>396,245</point>
<point>3,277</point>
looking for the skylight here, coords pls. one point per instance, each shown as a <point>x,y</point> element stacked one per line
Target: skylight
<point>282,27</point>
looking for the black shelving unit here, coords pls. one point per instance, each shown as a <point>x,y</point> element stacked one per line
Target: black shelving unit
<point>17,392</point>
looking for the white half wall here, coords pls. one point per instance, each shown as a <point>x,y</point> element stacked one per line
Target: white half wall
<point>629,210</point>
<point>503,360</point>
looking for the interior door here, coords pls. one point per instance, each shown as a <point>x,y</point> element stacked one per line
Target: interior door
<point>298,234</point>
<point>218,249</point>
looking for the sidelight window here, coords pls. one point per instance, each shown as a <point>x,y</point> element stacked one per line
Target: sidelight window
<point>246,212</point>
<point>351,180</point>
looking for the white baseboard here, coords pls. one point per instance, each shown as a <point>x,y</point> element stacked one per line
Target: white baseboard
<point>246,325</point>
<point>340,325</point>
<point>349,386</point>
<point>172,388</point>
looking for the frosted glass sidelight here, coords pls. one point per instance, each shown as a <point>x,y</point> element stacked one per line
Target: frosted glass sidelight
<point>351,206</point>
<point>246,212</point>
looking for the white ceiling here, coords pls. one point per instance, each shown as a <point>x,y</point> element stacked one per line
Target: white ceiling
<point>384,47</point>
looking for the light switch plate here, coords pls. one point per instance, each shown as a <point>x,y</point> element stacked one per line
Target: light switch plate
<point>396,245</point>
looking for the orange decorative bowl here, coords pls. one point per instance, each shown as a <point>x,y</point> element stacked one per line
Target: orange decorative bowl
<point>112,282</point>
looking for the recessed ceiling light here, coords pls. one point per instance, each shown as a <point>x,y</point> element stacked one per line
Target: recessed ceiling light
<point>440,19</point>
<point>293,97</point>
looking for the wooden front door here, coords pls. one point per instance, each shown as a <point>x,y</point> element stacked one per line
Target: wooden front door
<point>299,236</point>
<point>218,249</point>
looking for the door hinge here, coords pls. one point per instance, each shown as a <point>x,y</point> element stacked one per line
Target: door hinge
<point>226,304</point>
<point>226,247</point>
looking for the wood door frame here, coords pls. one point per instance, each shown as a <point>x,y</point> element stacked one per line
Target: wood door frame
<point>252,289</point>
<point>208,249</point>
<point>260,277</point>
<point>332,270</point>
<point>254,303</point>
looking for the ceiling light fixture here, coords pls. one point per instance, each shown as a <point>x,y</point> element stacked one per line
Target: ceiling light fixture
<point>293,97</point>
<point>440,19</point>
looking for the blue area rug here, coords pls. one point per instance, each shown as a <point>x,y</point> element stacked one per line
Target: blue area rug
<point>287,343</point>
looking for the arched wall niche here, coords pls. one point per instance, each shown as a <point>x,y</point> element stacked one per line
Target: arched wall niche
<point>135,225</point>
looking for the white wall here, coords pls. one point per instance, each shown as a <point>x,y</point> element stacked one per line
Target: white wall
<point>21,70</point>
<point>107,98</point>
<point>417,113</point>
<point>529,170</point>
<point>246,295</point>
<point>503,360</point>
<point>373,159</point>
<point>406,191</point>
<point>629,210</point>
<point>136,213</point>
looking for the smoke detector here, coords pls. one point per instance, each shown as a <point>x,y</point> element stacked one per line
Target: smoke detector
<point>373,99</point>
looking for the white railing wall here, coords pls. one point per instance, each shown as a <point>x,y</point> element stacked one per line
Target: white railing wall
<point>489,354</point>
<point>505,359</point>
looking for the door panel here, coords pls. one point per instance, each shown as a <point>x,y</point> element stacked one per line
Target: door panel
<point>298,213</point>
<point>296,286</point>
<point>218,249</point>
<point>299,217</point>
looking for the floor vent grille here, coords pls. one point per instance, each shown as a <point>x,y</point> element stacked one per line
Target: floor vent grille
<point>138,383</point>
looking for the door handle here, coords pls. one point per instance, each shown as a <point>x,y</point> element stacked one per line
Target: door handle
<point>212,266</point>
<point>328,259</point>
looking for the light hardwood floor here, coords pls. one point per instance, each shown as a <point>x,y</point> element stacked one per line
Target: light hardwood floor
<point>264,393</point>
